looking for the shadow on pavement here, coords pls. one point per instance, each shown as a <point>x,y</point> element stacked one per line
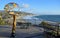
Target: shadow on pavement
<point>4,34</point>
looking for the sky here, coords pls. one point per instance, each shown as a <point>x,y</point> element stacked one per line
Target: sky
<point>41,7</point>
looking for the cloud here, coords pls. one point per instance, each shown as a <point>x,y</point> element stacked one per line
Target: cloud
<point>25,5</point>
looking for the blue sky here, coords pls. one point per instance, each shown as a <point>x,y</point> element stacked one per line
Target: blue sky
<point>36,6</point>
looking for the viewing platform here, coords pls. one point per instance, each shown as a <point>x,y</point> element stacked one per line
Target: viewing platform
<point>31,32</point>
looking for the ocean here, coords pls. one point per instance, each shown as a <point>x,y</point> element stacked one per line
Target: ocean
<point>54,18</point>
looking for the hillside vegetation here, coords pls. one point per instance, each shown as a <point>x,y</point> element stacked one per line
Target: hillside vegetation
<point>2,22</point>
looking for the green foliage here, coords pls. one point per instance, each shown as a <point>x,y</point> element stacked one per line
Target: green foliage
<point>44,23</point>
<point>47,25</point>
<point>2,22</point>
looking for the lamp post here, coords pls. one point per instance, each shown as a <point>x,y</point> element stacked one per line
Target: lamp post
<point>10,8</point>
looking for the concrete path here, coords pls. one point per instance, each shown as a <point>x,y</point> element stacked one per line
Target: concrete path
<point>32,32</point>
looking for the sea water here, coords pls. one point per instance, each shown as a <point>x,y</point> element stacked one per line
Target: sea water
<point>54,18</point>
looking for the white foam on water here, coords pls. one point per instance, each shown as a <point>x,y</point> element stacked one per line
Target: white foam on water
<point>32,20</point>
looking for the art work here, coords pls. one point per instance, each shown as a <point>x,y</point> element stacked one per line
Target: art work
<point>11,7</point>
<point>29,18</point>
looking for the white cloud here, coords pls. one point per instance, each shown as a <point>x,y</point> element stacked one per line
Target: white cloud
<point>25,5</point>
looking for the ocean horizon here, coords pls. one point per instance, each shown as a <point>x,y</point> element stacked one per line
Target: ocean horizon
<point>54,18</point>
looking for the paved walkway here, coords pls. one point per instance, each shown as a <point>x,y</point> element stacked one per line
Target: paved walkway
<point>32,32</point>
